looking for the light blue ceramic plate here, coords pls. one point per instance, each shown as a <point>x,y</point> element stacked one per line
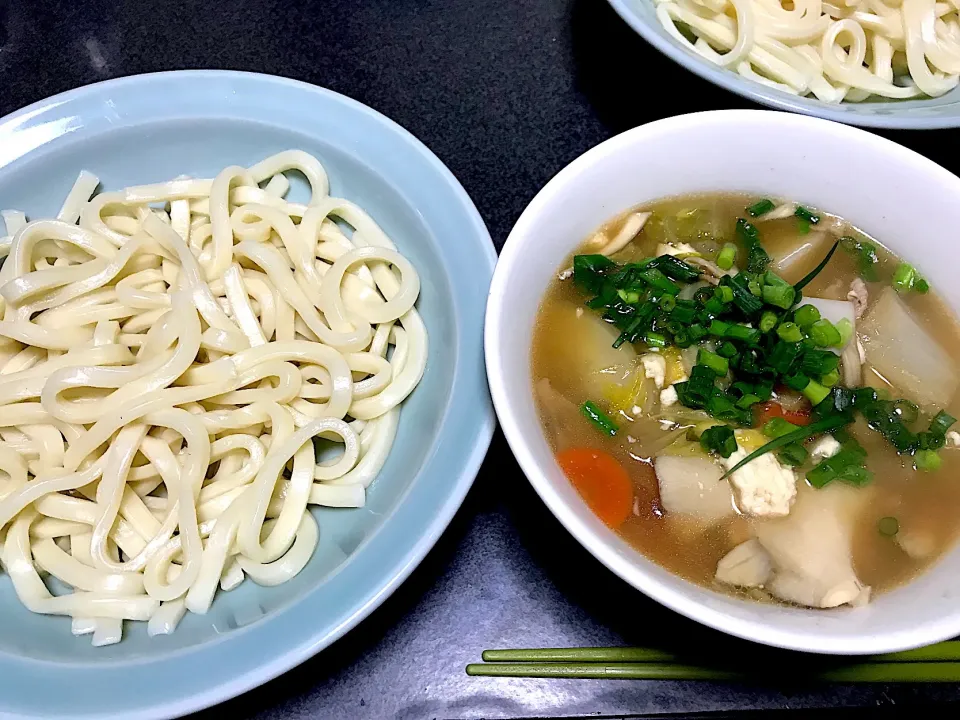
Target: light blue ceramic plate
<point>923,114</point>
<point>154,127</point>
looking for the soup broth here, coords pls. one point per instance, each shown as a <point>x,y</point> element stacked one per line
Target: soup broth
<point>870,529</point>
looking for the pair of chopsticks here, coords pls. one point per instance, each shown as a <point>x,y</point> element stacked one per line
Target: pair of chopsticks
<point>936,663</point>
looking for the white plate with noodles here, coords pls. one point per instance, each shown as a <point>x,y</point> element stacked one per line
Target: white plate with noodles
<point>232,378</point>
<point>876,63</point>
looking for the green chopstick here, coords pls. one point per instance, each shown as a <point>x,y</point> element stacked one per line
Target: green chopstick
<point>888,672</point>
<point>580,655</point>
<point>599,671</point>
<point>941,652</point>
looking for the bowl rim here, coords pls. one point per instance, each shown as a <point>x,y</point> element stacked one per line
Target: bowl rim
<point>306,644</point>
<point>516,435</point>
<point>771,97</point>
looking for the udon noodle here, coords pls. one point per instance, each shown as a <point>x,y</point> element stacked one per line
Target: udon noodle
<point>168,353</point>
<point>843,50</point>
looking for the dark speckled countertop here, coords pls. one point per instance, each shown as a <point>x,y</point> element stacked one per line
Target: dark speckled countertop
<point>506,92</point>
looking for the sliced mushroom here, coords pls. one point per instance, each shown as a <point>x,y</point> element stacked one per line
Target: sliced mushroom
<point>858,296</point>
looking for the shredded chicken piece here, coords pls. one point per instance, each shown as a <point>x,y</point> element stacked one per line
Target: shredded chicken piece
<point>631,228</point>
<point>778,213</point>
<point>858,296</point>
<point>851,362</point>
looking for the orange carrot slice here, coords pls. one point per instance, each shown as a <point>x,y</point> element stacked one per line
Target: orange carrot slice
<point>601,481</point>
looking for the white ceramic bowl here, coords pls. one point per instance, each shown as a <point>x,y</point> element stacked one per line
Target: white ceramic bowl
<point>911,204</point>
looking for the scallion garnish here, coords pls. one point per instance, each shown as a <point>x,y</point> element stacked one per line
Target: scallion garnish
<point>719,365</point>
<point>790,332</point>
<point>727,256</point>
<point>757,258</point>
<point>825,334</point>
<point>603,422</point>
<point>806,214</point>
<point>793,455</point>
<point>888,526</point>
<point>805,315</point>
<point>719,439</point>
<point>927,460</point>
<point>761,207</point>
<point>865,254</point>
<point>778,427</point>
<point>906,278</point>
<point>777,291</point>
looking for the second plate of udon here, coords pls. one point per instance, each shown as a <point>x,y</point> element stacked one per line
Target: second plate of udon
<point>232,373</point>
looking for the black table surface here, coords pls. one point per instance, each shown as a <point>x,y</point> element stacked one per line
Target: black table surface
<point>505,92</point>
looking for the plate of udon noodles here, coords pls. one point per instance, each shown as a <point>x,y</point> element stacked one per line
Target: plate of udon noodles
<point>204,375</point>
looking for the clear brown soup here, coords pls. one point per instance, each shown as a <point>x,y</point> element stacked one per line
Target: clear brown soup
<point>573,361</point>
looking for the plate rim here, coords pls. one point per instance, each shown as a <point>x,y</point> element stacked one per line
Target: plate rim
<point>376,593</point>
<point>771,97</point>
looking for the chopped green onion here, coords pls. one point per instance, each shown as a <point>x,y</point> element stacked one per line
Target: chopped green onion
<point>797,381</point>
<point>903,277</point>
<point>927,460</point>
<point>825,425</point>
<point>747,401</point>
<point>697,332</point>
<point>906,278</point>
<point>790,332</point>
<point>719,439</point>
<point>761,207</point>
<point>757,258</point>
<point>815,392</point>
<point>629,297</point>
<point>675,268</point>
<point>830,379</point>
<point>659,281</point>
<point>805,214</point>
<point>727,256</point>
<point>782,356</point>
<point>742,332</point>
<point>768,321</point>
<point>719,365</point>
<point>941,423</point>
<point>856,475</point>
<point>780,296</point>
<point>846,465</point>
<point>655,339</point>
<point>718,328</point>
<point>754,287</point>
<point>806,315</point>
<point>667,303</point>
<point>824,334</point>
<point>818,362</point>
<point>803,226</point>
<point>742,297</point>
<point>888,526</point>
<point>599,418</point>
<point>845,328</point>
<point>589,271</point>
<point>715,306</point>
<point>727,349</point>
<point>908,411</point>
<point>723,293</point>
<point>865,254</point>
<point>684,311</point>
<point>793,455</point>
<point>703,295</point>
<point>778,427</point>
